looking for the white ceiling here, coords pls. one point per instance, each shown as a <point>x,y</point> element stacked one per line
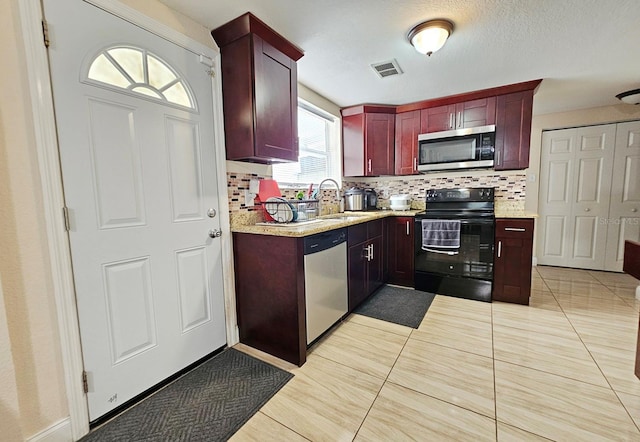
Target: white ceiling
<point>586,51</point>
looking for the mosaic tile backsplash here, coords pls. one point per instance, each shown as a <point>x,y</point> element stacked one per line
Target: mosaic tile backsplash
<point>510,187</point>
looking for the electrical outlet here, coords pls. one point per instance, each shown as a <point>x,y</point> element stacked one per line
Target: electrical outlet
<point>254,186</point>
<point>248,198</point>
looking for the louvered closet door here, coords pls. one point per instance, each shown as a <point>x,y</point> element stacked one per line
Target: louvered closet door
<point>575,185</point>
<point>623,221</point>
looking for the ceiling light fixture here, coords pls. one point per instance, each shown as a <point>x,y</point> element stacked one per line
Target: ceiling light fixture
<point>630,97</point>
<point>430,36</point>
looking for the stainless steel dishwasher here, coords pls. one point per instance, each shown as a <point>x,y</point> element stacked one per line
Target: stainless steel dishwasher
<point>325,280</point>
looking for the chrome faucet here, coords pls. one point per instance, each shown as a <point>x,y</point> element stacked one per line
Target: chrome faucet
<point>338,195</point>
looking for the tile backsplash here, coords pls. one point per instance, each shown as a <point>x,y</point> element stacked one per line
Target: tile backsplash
<point>510,188</point>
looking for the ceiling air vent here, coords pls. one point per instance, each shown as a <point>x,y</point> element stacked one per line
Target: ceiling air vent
<point>387,68</point>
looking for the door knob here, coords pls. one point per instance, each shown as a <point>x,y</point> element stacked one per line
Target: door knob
<point>634,210</point>
<point>587,210</point>
<point>215,233</point>
<point>211,213</point>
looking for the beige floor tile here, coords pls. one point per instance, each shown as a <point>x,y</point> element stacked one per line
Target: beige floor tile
<point>364,348</point>
<point>543,300</point>
<point>261,428</point>
<point>400,414</point>
<point>622,279</point>
<point>618,367</point>
<point>560,355</point>
<point>618,332</point>
<point>461,308</point>
<point>594,289</point>
<point>559,408</point>
<point>508,433</point>
<point>561,273</point>
<point>610,309</point>
<point>632,404</point>
<point>379,324</point>
<point>459,333</point>
<point>539,284</point>
<point>624,292</point>
<point>527,318</point>
<point>325,401</point>
<point>454,376</point>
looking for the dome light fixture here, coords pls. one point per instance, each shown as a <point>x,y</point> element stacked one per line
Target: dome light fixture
<point>629,97</point>
<point>429,36</point>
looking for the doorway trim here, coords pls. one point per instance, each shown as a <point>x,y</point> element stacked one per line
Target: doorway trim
<point>46,144</point>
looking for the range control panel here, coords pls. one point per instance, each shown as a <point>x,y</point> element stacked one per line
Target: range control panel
<point>461,194</point>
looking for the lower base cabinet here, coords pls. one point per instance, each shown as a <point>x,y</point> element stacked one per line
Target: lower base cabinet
<point>512,260</point>
<point>365,260</point>
<point>270,294</point>
<point>399,234</point>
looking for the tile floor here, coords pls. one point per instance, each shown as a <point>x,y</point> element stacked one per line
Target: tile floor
<point>559,369</point>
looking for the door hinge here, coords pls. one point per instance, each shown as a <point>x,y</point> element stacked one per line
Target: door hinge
<point>85,382</point>
<point>65,215</point>
<point>45,33</point>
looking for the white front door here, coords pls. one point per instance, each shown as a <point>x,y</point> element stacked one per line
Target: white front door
<point>575,184</point>
<point>135,127</point>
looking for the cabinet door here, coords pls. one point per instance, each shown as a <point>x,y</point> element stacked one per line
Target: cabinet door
<point>476,113</point>
<point>406,148</point>
<point>378,144</point>
<point>400,250</point>
<point>512,268</point>
<point>513,130</point>
<point>437,119</point>
<point>276,103</point>
<point>357,274</point>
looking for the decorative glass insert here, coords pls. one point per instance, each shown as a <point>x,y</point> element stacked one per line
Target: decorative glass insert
<point>138,71</point>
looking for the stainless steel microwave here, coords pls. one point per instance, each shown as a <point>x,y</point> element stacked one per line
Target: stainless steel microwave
<point>469,148</point>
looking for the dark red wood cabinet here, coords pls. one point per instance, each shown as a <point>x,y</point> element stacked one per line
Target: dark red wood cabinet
<point>367,140</point>
<point>259,91</point>
<point>270,294</point>
<point>472,113</point>
<point>399,250</point>
<point>406,145</point>
<point>512,260</point>
<point>513,130</point>
<point>365,260</point>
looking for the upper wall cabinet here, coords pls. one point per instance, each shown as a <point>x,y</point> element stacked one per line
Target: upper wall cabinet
<point>367,137</point>
<point>471,113</point>
<point>513,130</point>
<point>259,90</point>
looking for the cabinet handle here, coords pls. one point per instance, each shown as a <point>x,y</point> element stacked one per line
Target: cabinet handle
<point>499,248</point>
<point>515,229</point>
<point>587,210</point>
<point>497,154</point>
<point>372,252</point>
<point>368,255</point>
<point>634,210</point>
<point>451,120</point>
<point>415,164</point>
<point>459,119</point>
<point>369,164</point>
<point>407,228</point>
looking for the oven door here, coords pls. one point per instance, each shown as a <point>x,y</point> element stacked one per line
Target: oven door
<point>474,258</point>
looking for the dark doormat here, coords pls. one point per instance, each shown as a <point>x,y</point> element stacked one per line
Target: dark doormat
<point>398,305</point>
<point>209,403</point>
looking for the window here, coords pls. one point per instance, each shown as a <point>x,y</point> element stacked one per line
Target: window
<point>137,71</point>
<point>319,149</point>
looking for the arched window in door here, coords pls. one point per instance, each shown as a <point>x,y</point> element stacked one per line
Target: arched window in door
<point>140,72</point>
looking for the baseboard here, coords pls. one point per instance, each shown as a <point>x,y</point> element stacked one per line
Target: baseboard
<point>58,432</point>
<point>534,261</point>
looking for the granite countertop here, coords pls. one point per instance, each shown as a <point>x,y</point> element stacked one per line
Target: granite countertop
<point>325,223</point>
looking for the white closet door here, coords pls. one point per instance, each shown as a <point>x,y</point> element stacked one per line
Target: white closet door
<point>556,196</point>
<point>623,221</point>
<point>576,169</point>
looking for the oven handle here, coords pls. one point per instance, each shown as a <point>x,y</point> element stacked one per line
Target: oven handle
<point>444,252</point>
<point>464,220</point>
